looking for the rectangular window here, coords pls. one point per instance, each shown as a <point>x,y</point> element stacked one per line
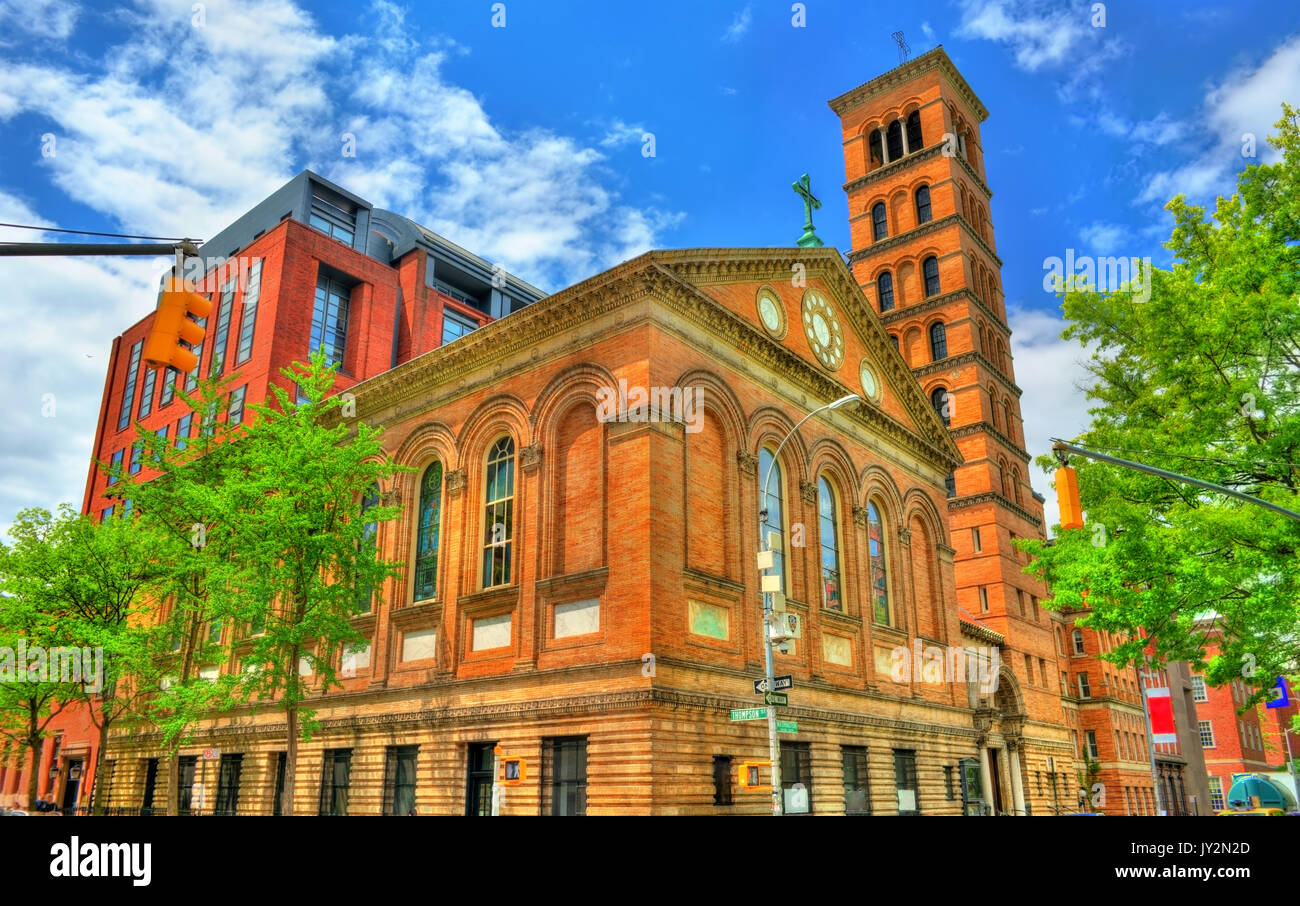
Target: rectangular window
<point>399,780</point>
<point>183,429</point>
<point>453,327</point>
<point>136,451</point>
<point>1206,731</point>
<point>947,781</point>
<point>248,324</point>
<point>1216,794</point>
<point>565,770</point>
<point>1029,669</point>
<point>335,778</point>
<point>116,463</point>
<point>1093,751</point>
<point>188,764</point>
<point>329,320</point>
<point>975,540</point>
<point>1085,691</point>
<point>235,414</point>
<point>333,219</point>
<point>106,514</point>
<point>229,769</point>
<point>168,387</point>
<point>905,782</point>
<point>1078,641</point>
<point>984,599</point>
<point>857,791</point>
<point>277,804</point>
<point>146,393</point>
<point>796,777</point>
<point>1198,689</point>
<point>161,434</point>
<point>192,379</point>
<point>128,392</point>
<point>722,780</point>
<point>221,333</point>
<point>1034,603</point>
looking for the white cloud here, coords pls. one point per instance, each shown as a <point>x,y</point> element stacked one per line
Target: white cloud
<point>1051,374</point>
<point>927,31</point>
<point>1248,100</point>
<point>40,18</point>
<point>1098,238</point>
<point>620,133</point>
<point>739,25</point>
<point>1038,34</point>
<point>158,145</point>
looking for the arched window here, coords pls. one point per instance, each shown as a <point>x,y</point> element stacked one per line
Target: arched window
<point>923,214</point>
<point>950,484</point>
<point>894,337</point>
<point>771,502</point>
<point>930,268</point>
<point>894,139</point>
<point>370,534</point>
<point>885,291</point>
<point>942,404</point>
<point>498,513</point>
<point>879,579</point>
<point>1006,419</point>
<point>877,148</point>
<point>1005,476</point>
<point>914,142</point>
<point>1015,485</point>
<point>828,537</point>
<point>938,341</point>
<point>879,227</point>
<point>427,531</point>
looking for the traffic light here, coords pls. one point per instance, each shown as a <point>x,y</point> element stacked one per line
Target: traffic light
<point>1067,496</point>
<point>750,776</point>
<point>171,326</point>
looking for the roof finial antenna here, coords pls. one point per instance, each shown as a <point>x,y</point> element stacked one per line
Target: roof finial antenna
<point>904,49</point>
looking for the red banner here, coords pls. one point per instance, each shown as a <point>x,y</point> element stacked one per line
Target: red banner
<point>1160,707</point>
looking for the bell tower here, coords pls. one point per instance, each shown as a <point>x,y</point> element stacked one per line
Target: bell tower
<point>925,256</point>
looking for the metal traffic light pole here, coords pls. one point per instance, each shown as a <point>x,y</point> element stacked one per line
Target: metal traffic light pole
<point>185,247</point>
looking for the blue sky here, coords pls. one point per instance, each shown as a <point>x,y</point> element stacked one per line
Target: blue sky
<point>524,143</point>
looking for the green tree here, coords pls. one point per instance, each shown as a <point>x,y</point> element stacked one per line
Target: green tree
<point>89,581</point>
<point>1202,379</point>
<point>300,497</point>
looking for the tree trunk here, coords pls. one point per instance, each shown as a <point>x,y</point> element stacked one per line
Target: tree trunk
<point>173,784</point>
<point>33,743</point>
<point>290,762</point>
<point>97,805</point>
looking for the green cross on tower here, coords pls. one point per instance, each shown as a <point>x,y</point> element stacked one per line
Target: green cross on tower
<point>803,188</point>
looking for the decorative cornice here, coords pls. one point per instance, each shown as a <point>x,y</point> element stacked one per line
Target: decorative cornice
<point>895,167</point>
<point>967,358</point>
<point>957,503</point>
<point>934,59</point>
<point>978,631</point>
<point>892,317</point>
<point>905,237</point>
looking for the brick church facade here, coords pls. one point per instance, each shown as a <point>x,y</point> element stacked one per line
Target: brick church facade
<point>606,632</point>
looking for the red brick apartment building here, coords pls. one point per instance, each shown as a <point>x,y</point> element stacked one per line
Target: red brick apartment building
<point>310,265</point>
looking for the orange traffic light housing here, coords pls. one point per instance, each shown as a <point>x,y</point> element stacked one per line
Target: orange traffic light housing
<point>171,326</point>
<point>1067,496</point>
<point>750,776</point>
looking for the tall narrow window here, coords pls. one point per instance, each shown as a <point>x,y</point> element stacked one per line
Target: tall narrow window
<point>879,225</point>
<point>950,485</point>
<point>115,462</point>
<point>857,793</point>
<point>828,537</point>
<point>221,332</point>
<point>879,580</point>
<point>192,379</point>
<point>185,786</point>
<point>722,780</point>
<point>183,429</point>
<point>930,267</point>
<point>894,139</point>
<point>772,503</point>
<point>905,782</point>
<point>235,414</point>
<point>248,326</point>
<point>923,214</point>
<point>370,532</point>
<point>329,320</point>
<point>228,771</point>
<point>877,147</point>
<point>335,780</point>
<point>941,402</point>
<point>914,142</point>
<point>426,539</point>
<point>1077,636</point>
<point>567,763</point>
<point>796,777</point>
<point>281,759</point>
<point>399,780</point>
<point>498,519</point>
<point>168,387</point>
<point>128,392</point>
<point>938,341</point>
<point>146,394</point>
<point>885,291</point>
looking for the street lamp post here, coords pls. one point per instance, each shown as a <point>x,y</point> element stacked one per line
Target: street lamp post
<point>778,806</point>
